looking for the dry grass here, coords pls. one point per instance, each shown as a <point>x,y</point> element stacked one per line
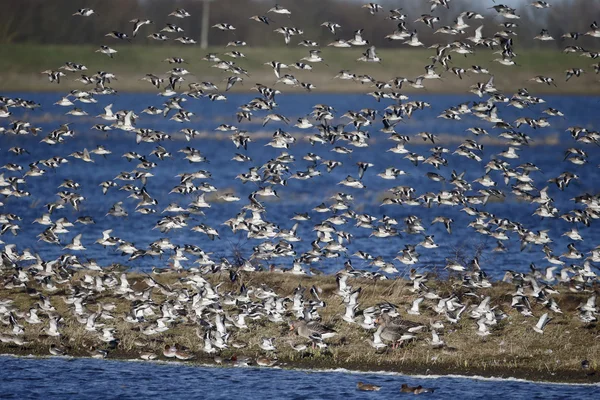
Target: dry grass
<point>512,350</point>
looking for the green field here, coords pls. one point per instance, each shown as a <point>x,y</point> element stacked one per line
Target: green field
<point>21,64</point>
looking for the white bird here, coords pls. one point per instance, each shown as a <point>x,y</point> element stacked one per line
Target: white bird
<point>280,10</point>
<point>482,328</point>
<point>436,341</point>
<point>349,315</point>
<point>52,329</point>
<point>370,56</point>
<point>75,245</point>
<point>106,50</point>
<point>208,346</point>
<point>377,343</point>
<point>127,123</point>
<point>413,41</point>
<point>414,309</point>
<point>267,344</point>
<point>542,322</point>
<point>84,12</point>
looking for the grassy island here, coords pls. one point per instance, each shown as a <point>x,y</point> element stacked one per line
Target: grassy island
<point>512,349</point>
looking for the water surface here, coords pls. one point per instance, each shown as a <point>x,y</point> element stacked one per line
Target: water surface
<point>60,378</point>
<point>300,196</point>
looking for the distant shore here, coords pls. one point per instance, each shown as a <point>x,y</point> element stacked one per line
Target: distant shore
<point>21,66</point>
<point>513,350</point>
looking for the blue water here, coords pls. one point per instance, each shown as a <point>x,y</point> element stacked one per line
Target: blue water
<point>102,379</point>
<point>85,378</point>
<point>297,196</point>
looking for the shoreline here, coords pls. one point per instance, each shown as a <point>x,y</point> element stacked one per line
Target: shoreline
<point>512,350</point>
<point>413,371</point>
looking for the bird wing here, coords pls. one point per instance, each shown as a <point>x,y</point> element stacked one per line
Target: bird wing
<point>371,52</point>
<point>358,36</point>
<point>542,321</point>
<point>478,34</point>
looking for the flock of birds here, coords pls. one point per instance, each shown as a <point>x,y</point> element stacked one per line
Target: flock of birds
<point>217,316</point>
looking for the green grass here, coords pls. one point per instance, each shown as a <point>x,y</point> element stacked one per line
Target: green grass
<point>21,66</point>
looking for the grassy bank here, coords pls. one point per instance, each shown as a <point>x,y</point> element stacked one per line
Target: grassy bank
<point>513,349</point>
<point>20,67</point>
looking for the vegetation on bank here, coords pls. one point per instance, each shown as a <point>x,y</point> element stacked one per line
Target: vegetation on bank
<point>21,66</point>
<point>513,349</point>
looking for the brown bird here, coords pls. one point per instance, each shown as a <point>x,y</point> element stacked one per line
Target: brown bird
<point>367,387</point>
<point>414,389</point>
<point>311,330</point>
